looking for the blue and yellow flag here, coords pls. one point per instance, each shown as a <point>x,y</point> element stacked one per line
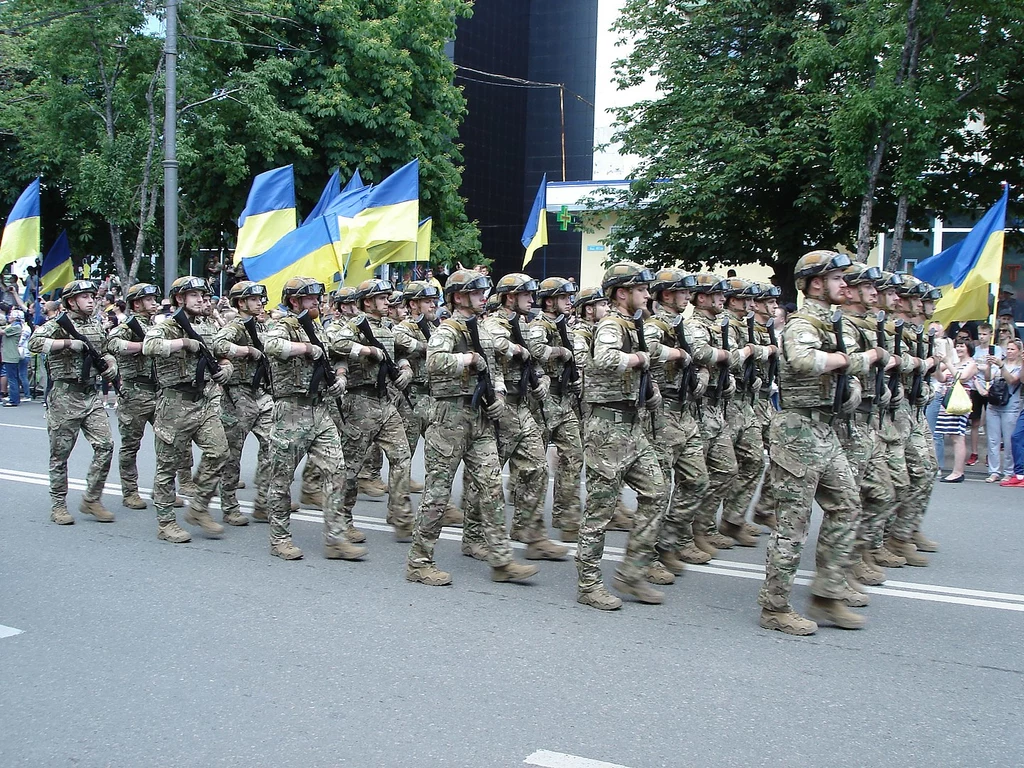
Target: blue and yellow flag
<point>21,235</point>
<point>308,251</point>
<point>387,212</point>
<point>400,253</point>
<point>536,233</point>
<point>269,212</point>
<point>967,271</point>
<point>331,193</point>
<point>56,270</point>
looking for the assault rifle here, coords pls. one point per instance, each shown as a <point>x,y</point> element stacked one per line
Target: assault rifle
<point>843,379</point>
<point>424,326</point>
<point>723,367</point>
<point>570,371</point>
<point>880,372</point>
<point>206,359</point>
<point>387,369</point>
<point>90,357</point>
<point>529,378</point>
<point>897,350</point>
<point>484,392</point>
<point>773,361</point>
<point>261,376</point>
<point>322,370</point>
<point>138,332</point>
<point>750,365</point>
<point>646,382</point>
<point>687,382</point>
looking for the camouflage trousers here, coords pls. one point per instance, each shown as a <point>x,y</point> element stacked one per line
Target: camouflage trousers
<point>807,464</point>
<point>680,451</point>
<point>748,447</point>
<point>179,423</point>
<point>557,416</point>
<point>373,464</point>
<point>371,468</point>
<point>299,430</point>
<point>720,459</point>
<point>765,504</point>
<point>415,418</point>
<point>246,414</point>
<point>919,452</point>
<point>895,427</point>
<point>619,453</point>
<point>369,421</point>
<point>136,407</point>
<point>67,413</point>
<point>521,446</point>
<point>456,433</point>
<point>865,451</point>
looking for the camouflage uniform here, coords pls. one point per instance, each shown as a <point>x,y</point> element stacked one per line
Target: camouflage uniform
<point>808,464</point>
<point>136,405</point>
<point>411,345</point>
<point>371,417</point>
<point>458,432</point>
<point>73,406</point>
<point>679,444</point>
<point>763,411</point>
<point>187,411</point>
<point>560,421</point>
<point>617,451</point>
<point>246,411</point>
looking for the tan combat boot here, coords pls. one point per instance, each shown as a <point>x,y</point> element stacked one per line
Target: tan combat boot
<point>599,598</point>
<point>923,543</point>
<point>286,550</point>
<point>430,575</point>
<point>790,622</point>
<point>133,501</point>
<point>354,535</point>
<point>453,516</point>
<point>344,550</point>
<point>61,516</point>
<point>753,530</point>
<point>187,487</point>
<point>738,533</point>
<point>545,550</point>
<point>415,486</point>
<point>235,518</point>
<point>173,533</point>
<point>569,535</point>
<point>854,598</point>
<point>314,499</point>
<point>673,563</point>
<point>475,550</point>
<point>641,590</point>
<point>260,515</point>
<point>883,558</point>
<point>622,520</point>
<point>202,518</point>
<point>402,535</point>
<point>721,541</point>
<point>97,510</point>
<point>834,611</point>
<point>907,551</point>
<point>513,572</point>
<point>694,555</point>
<point>656,573</point>
<point>701,542</point>
<point>178,502</point>
<point>373,488</point>
<point>768,521</point>
<point>866,573</point>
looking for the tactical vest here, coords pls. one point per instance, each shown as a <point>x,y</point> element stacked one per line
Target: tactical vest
<point>762,339</point>
<point>181,367</point>
<point>244,367</point>
<point>133,368</point>
<point>865,328</point>
<point>464,383</point>
<point>807,390</point>
<point>66,364</point>
<point>552,368</point>
<point>418,359</point>
<point>291,377</point>
<point>667,375</point>
<point>608,385</point>
<point>362,371</point>
<point>511,368</point>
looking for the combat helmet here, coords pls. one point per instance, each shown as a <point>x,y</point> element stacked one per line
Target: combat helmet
<point>889,281</point>
<point>911,288</point>
<point>243,289</point>
<point>77,288</point>
<point>707,282</point>
<point>766,291</point>
<point>493,303</point>
<point>588,296</point>
<point>672,279</point>
<point>859,273</point>
<point>930,292</point>
<point>343,295</point>
<point>186,284</point>
<point>814,263</point>
<point>301,286</point>
<point>373,287</point>
<point>515,282</point>
<point>140,291</point>
<point>625,274</point>
<point>465,281</point>
<point>737,287</point>
<point>555,286</point>
<point>420,289</point>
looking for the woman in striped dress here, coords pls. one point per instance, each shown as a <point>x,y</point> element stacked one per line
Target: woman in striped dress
<point>955,427</point>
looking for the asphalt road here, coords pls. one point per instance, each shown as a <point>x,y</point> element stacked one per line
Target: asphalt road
<point>134,652</point>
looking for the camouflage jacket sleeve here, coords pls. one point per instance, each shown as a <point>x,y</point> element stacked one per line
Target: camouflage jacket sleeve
<point>704,352</point>
<point>536,335</point>
<point>232,334</point>
<point>442,359</point>
<point>342,342</point>
<point>860,363</point>
<point>487,342</point>
<point>803,347</point>
<point>581,347</point>
<point>44,333</point>
<point>280,335</point>
<point>118,340</point>
<point>500,335</point>
<point>608,346</point>
<point>159,337</point>
<point>408,342</point>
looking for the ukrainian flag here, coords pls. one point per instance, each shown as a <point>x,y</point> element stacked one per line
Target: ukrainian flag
<point>331,193</point>
<point>21,237</point>
<point>388,212</point>
<point>57,269</point>
<point>536,233</point>
<point>269,212</point>
<point>399,253</point>
<point>967,271</point>
<point>308,251</point>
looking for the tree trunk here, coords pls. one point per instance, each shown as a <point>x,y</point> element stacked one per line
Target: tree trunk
<point>892,263</point>
<point>117,252</point>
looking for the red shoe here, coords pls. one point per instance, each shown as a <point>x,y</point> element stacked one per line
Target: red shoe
<point>972,460</point>
<point>1013,482</point>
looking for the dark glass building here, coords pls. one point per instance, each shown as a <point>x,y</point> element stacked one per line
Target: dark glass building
<point>513,133</point>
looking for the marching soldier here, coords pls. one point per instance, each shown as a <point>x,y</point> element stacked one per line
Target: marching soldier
<point>520,442</point>
<point>411,345</point>
<point>136,405</point>
<point>251,408</point>
<point>187,409</point>
<point>708,297</point>
<point>462,428</point>
<point>560,409</point>
<point>617,449</point>
<point>766,301</point>
<point>929,296</point>
<point>302,425</point>
<point>807,461</point>
<point>678,441</point>
<point>72,402</point>
<point>363,347</point>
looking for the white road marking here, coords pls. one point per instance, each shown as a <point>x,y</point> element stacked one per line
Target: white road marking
<point>1005,601</point>
<point>21,426</point>
<point>8,631</point>
<point>547,759</point>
